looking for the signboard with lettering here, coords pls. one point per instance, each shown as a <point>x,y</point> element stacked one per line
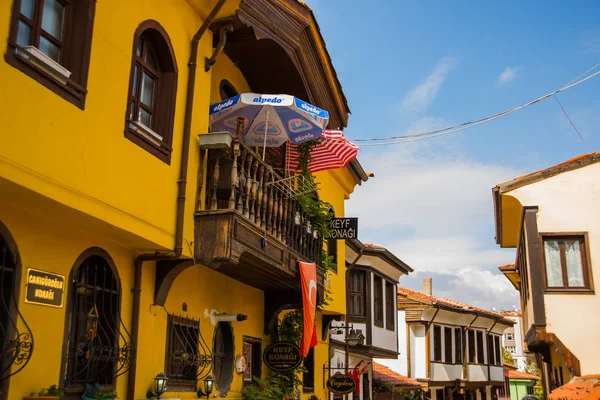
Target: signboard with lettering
<point>341,384</point>
<point>45,288</point>
<point>282,356</point>
<point>343,228</point>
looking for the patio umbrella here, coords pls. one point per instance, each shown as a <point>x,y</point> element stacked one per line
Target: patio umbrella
<point>332,151</point>
<point>269,120</point>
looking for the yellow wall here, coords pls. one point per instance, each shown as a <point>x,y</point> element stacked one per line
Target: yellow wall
<point>225,69</point>
<point>202,290</point>
<point>81,158</point>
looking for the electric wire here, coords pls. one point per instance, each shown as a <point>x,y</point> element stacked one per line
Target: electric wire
<point>572,124</point>
<point>470,124</point>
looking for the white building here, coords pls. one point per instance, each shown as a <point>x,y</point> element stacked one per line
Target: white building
<point>552,219</point>
<point>372,281</point>
<point>512,339</point>
<point>452,348</point>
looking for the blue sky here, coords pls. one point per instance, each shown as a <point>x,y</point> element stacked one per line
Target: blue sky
<point>408,67</point>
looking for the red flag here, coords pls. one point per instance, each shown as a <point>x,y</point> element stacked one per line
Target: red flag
<point>308,278</point>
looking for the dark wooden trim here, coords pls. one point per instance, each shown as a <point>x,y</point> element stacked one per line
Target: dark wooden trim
<point>381,306</point>
<point>586,264</point>
<point>92,251</point>
<point>13,308</point>
<point>375,271</point>
<point>166,273</point>
<point>390,326</point>
<point>77,41</point>
<point>369,303</point>
<point>366,291</point>
<point>166,96</point>
<point>179,386</point>
<point>534,251</point>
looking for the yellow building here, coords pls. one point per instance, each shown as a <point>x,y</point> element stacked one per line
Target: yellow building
<point>115,258</point>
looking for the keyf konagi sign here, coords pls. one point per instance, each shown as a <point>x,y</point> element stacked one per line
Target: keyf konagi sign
<point>343,228</point>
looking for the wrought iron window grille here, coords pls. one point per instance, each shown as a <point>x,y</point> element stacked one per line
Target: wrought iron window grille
<point>16,337</point>
<point>100,349</point>
<point>189,358</point>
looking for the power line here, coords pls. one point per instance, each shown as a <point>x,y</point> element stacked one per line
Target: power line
<point>572,124</point>
<point>470,124</point>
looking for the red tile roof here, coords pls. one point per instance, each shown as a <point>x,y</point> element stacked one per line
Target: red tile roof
<point>423,298</point>
<point>522,375</point>
<point>386,375</point>
<point>511,313</point>
<point>585,387</point>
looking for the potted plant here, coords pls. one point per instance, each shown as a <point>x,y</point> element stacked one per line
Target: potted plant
<point>92,392</point>
<point>51,393</point>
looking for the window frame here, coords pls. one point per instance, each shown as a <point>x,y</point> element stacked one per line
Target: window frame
<point>378,301</point>
<point>164,97</point>
<point>586,263</point>
<point>184,385</point>
<point>438,354</point>
<point>223,382</point>
<point>75,52</point>
<point>225,85</point>
<point>360,294</point>
<point>390,306</point>
<point>458,345</point>
<point>254,364</point>
<point>480,345</point>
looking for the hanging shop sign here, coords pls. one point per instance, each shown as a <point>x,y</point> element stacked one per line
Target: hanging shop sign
<point>282,356</point>
<point>45,288</point>
<point>343,228</point>
<point>341,384</point>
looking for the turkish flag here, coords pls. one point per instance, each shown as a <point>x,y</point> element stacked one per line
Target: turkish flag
<point>308,278</point>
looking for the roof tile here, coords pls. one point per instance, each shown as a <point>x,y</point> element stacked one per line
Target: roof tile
<point>386,375</point>
<point>585,387</point>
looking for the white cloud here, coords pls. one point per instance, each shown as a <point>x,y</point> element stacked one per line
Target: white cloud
<point>420,97</point>
<point>508,75</point>
<point>433,208</point>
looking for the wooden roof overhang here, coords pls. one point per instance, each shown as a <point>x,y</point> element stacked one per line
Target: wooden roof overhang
<point>278,47</point>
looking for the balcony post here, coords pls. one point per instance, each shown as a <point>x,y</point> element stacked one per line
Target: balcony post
<point>234,173</point>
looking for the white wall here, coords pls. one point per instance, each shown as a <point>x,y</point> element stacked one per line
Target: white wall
<point>477,373</point>
<point>398,365</point>
<point>568,202</point>
<point>446,372</point>
<point>382,337</point>
<point>418,355</point>
<point>496,374</point>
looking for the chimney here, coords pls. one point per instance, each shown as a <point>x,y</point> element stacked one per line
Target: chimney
<point>427,286</point>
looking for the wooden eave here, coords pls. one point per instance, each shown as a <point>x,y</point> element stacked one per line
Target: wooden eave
<point>511,273</point>
<point>306,73</point>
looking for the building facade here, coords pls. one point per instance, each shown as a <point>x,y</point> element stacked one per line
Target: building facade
<point>550,218</point>
<point>372,280</point>
<point>124,252</point>
<point>512,339</point>
<point>453,349</point>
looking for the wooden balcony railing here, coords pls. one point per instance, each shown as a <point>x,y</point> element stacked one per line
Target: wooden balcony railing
<point>237,179</point>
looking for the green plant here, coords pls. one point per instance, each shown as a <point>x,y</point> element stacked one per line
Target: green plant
<point>52,390</point>
<point>313,397</point>
<point>507,358</point>
<point>531,368</point>
<point>106,395</point>
<point>275,387</point>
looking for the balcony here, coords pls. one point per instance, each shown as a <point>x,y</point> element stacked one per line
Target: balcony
<point>246,227</point>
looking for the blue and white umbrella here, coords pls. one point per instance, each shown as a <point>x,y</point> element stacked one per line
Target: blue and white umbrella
<point>269,120</point>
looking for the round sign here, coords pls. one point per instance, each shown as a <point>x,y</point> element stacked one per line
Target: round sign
<point>341,384</point>
<point>282,357</point>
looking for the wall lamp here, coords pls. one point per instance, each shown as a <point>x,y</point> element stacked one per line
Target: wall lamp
<point>208,387</point>
<point>352,339</point>
<point>160,386</point>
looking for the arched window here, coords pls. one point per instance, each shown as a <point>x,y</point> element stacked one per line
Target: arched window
<point>94,321</point>
<point>227,90</point>
<point>152,91</point>
<point>16,340</point>
<point>223,354</point>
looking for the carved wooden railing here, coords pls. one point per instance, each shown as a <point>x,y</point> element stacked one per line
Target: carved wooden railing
<point>238,179</point>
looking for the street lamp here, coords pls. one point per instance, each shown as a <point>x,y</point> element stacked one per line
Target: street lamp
<point>352,339</point>
<point>208,387</point>
<point>160,386</point>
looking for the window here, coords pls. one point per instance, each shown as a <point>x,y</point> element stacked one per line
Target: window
<point>252,353</point>
<point>437,343</point>
<point>498,350</point>
<point>223,350</point>
<point>227,90</point>
<point>440,394</point>
<point>480,357</point>
<point>511,349</point>
<point>308,377</point>
<point>183,336</point>
<point>8,272</point>
<point>152,91</point>
<point>390,306</point>
<point>94,323</point>
<point>447,344</point>
<point>565,260</point>
<point>357,293</point>
<point>378,301</point>
<point>458,346</point>
<point>50,40</point>
<point>471,344</point>
<point>490,350</point>
<point>509,336</point>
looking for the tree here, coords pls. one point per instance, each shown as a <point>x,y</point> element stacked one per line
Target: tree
<point>531,368</point>
<point>507,358</point>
